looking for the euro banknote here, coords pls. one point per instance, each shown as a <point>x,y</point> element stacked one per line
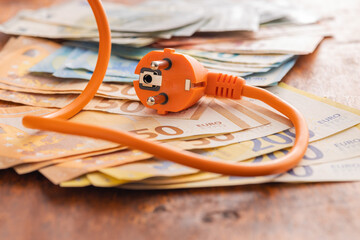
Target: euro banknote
<point>266,31</point>
<point>82,181</point>
<point>240,65</point>
<point>344,171</point>
<point>117,66</point>
<point>4,104</point>
<point>289,11</point>
<point>217,182</point>
<point>103,180</point>
<point>33,166</point>
<point>19,25</point>
<point>64,63</point>
<point>71,169</point>
<point>239,58</point>
<point>51,85</point>
<point>343,145</point>
<point>156,17</point>
<point>117,106</point>
<point>127,52</point>
<point>222,17</point>
<point>85,74</point>
<point>273,30</point>
<point>95,179</point>
<point>223,67</point>
<point>229,18</point>
<point>56,59</point>
<point>299,45</point>
<point>67,170</point>
<point>130,41</point>
<point>78,14</point>
<point>271,77</point>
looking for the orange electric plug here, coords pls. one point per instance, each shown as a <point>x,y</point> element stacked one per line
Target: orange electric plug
<point>179,79</point>
<point>171,82</point>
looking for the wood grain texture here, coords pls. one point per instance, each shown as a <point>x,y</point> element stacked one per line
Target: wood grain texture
<point>33,208</point>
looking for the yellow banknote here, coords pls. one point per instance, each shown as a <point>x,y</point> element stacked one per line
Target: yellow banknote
<point>343,145</point>
<point>74,168</point>
<point>98,179</point>
<point>338,171</point>
<point>344,170</point>
<point>200,176</point>
<point>217,182</point>
<point>146,169</point>
<point>51,85</point>
<point>77,182</point>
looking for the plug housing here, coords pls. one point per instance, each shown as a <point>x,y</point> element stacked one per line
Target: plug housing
<point>182,79</point>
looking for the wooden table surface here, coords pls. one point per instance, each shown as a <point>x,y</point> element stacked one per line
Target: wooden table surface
<point>33,208</point>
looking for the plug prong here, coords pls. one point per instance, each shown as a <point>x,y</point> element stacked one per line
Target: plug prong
<point>158,99</point>
<point>160,64</point>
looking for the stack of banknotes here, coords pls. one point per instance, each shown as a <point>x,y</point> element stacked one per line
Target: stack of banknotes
<point>259,41</point>
<point>145,23</point>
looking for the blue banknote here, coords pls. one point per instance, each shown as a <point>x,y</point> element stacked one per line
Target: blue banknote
<point>84,74</point>
<point>55,64</point>
<point>118,66</point>
<point>54,61</point>
<point>117,50</point>
<point>271,77</point>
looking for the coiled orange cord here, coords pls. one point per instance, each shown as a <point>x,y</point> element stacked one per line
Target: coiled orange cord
<point>56,121</point>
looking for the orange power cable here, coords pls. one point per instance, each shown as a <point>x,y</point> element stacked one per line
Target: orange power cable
<point>56,122</point>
